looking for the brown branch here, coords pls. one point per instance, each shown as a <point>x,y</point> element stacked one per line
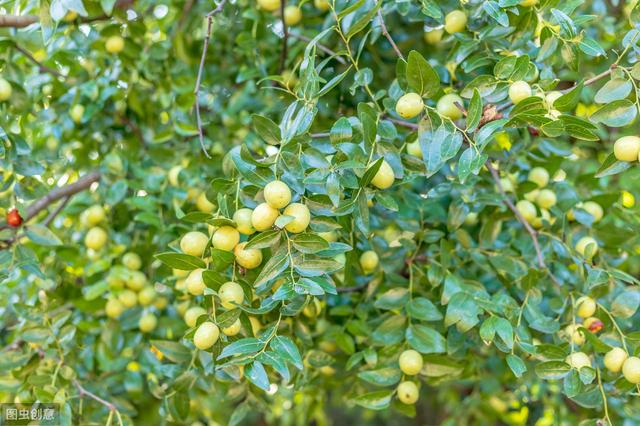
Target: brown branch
<point>15,21</point>
<point>57,211</point>
<point>41,66</point>
<point>322,47</point>
<point>203,58</point>
<point>82,391</point>
<point>383,27</point>
<point>285,39</point>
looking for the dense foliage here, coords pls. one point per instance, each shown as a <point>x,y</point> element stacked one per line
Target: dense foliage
<point>368,210</point>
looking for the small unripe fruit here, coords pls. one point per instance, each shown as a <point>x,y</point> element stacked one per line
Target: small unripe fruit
<point>527,210</point>
<point>194,243</point>
<point>13,218</point>
<point>539,176</point>
<point>206,335</point>
<point>528,3</point>
<point>628,200</point>
<point>174,175</point>
<point>277,194</point>
<point>256,326</point>
<point>76,113</point>
<point>5,90</point>
<point>384,177</point>
<point>471,219</point>
<point>114,44</point>
<point>113,308</point>
<point>242,218</point>
<point>132,261</point>
<point>631,369</point>
<point>409,105</point>
<point>192,314</point>
<point>578,360</point>
<point>576,336</point>
<point>137,280</point>
<point>330,236</point>
<point>301,216</point>
<point>203,204</point>
<point>233,329</point>
<point>455,22</point>
<point>96,238</point>
<point>161,302</point>
<point>414,149</point>
<point>269,5</point>
<point>147,323</point>
<point>128,298</point>
<point>230,293</point>
<point>313,308</point>
<point>433,36</point>
<point>546,199</point>
<point>585,307</point>
<point>292,15</point>
<point>93,215</point>
<point>594,209</point>
<point>627,148</point>
<point>248,259</point>
<point>369,261</point>
<point>225,238</point>
<point>518,91</point>
<point>408,392</point>
<point>446,106</point>
<point>410,362</point>
<point>263,217</point>
<point>322,5</point>
<point>614,359</point>
<point>146,296</point>
<point>583,243</point>
<point>195,283</point>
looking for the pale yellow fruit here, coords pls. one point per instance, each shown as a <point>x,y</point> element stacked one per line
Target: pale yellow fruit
<point>433,36</point>
<point>113,308</point>
<point>559,176</point>
<point>594,209</point>
<point>518,91</point>
<point>586,307</point>
<point>128,298</point>
<point>195,283</point>
<point>455,22</point>
<point>161,302</point>
<point>114,44</point>
<point>269,5</point>
<point>96,238</point>
<point>578,360</point>
<point>146,296</point>
<point>631,369</point>
<point>242,218</point>
<point>147,323</point>
<point>179,273</point>
<point>384,177</point>
<point>546,199</point>
<point>369,261</point>
<point>408,392</point>
<point>94,215</point>
<point>627,148</point>
<point>585,242</point>
<point>248,259</point>
<point>206,335</point>
<point>628,200</point>
<point>256,326</point>
<point>277,194</point>
<point>527,210</point>
<point>225,238</point>
<point>409,105</point>
<point>532,195</point>
<point>76,113</point>
<point>292,15</point>
<point>410,362</point>
<point>330,236</point>
<point>233,329</point>
<point>263,217</point>
<point>132,261</point>
<point>174,175</point>
<point>313,308</point>
<point>203,204</point>
<point>194,243</point>
<point>539,176</point>
<point>614,359</point>
<point>471,219</point>
<point>528,3</point>
<point>229,294</point>
<point>447,107</point>
<point>414,149</point>
<point>5,90</point>
<point>192,314</point>
<point>137,280</point>
<point>576,336</point>
<point>301,217</point>
<point>322,5</point>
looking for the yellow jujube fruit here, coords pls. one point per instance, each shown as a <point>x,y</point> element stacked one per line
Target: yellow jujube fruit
<point>585,242</point>
<point>586,307</point>
<point>192,314</point>
<point>614,359</point>
<point>528,3</point>
<point>146,296</point>
<point>627,148</point>
<point>132,261</point>
<point>248,259</point>
<point>539,176</point>
<point>147,323</point>
<point>408,392</point>
<point>206,335</point>
<point>455,21</point>
<point>263,217</point>
<point>233,329</point>
<point>447,107</point>
<point>518,91</point>
<point>433,36</point>
<point>631,369</point>
<point>96,238</point>
<point>203,204</point>
<point>384,177</point>
<point>137,280</point>
<point>225,238</point>
<point>195,283</point>
<point>628,200</point>
<point>576,336</point>
<point>76,113</point>
<point>230,293</point>
<point>301,217</point>
<point>322,5</point>
<point>369,261</point>
<point>409,105</point>
<point>410,362</point>
<point>546,199</point>
<point>93,215</point>
<point>174,175</point>
<point>113,308</point>
<point>414,149</point>
<point>5,90</point>
<point>128,298</point>
<point>527,210</point>
<point>242,218</point>
<point>594,209</point>
<point>269,5</point>
<point>292,15</point>
<point>277,194</point>
<point>114,44</point>
<point>313,308</point>
<point>194,243</point>
<point>578,360</point>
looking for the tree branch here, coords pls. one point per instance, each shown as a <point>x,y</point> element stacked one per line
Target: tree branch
<point>16,21</point>
<point>383,27</point>
<point>285,39</point>
<point>353,289</point>
<point>41,66</point>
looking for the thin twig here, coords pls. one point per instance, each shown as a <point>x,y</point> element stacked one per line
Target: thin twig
<point>207,36</point>
<point>41,66</point>
<point>15,21</point>
<point>285,39</point>
<point>383,27</point>
<point>322,47</point>
<point>56,211</point>
<point>351,289</point>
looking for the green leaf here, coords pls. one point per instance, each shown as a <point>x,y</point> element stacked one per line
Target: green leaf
<point>474,113</point>
<point>493,10</point>
<point>264,239</point>
<point>257,375</point>
<point>552,370</point>
<point>309,243</point>
<point>517,365</point>
<point>382,377</point>
<point>613,90</point>
<point>425,339</point>
<point>288,350</point>
<point>615,114</point>
<point>181,261</point>
<point>267,129</point>
<point>612,166</point>
<point>421,77</point>
<point>569,100</point>
<point>174,351</point>
<point>369,174</point>
<point>392,299</point>
<point>378,400</point>
<point>423,309</point>
<point>626,304</point>
<point>41,235</point>
<point>274,267</point>
<point>248,345</point>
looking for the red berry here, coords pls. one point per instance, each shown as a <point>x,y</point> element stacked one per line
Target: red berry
<point>13,218</point>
